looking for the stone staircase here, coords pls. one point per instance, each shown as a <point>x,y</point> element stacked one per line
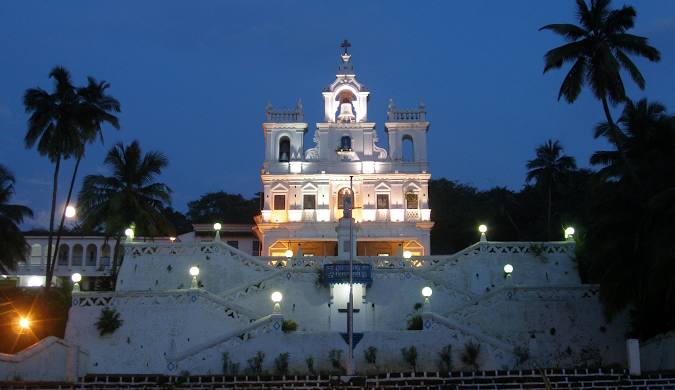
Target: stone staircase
<point>515,379</point>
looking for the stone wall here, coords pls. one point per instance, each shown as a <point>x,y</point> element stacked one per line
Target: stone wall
<point>50,359</point>
<point>658,353</point>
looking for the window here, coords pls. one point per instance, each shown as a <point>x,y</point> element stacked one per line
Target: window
<point>382,201</point>
<point>279,202</point>
<point>309,202</point>
<point>284,149</point>
<point>233,244</point>
<point>345,143</point>
<point>255,248</point>
<point>411,200</point>
<point>407,149</point>
<point>344,195</point>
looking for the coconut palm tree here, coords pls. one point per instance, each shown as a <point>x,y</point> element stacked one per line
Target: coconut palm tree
<point>599,47</point>
<point>130,196</point>
<point>96,108</point>
<point>549,169</point>
<point>53,127</point>
<point>13,246</point>
<point>645,137</point>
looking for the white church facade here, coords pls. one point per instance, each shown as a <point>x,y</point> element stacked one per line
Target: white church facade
<point>204,307</point>
<point>304,188</point>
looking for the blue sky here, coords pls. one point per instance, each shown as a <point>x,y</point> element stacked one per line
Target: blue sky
<point>194,77</point>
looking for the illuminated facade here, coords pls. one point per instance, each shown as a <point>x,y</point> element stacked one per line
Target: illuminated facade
<point>304,188</point>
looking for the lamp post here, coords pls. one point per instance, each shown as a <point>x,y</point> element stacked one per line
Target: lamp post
<point>23,325</point>
<point>407,255</point>
<point>426,293</point>
<point>194,272</point>
<point>482,229</point>
<point>76,278</point>
<point>508,269</point>
<point>217,226</point>
<point>277,297</point>
<point>569,233</point>
<point>129,233</point>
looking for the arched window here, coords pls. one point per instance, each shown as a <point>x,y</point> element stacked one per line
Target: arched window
<point>105,255</point>
<point>344,194</point>
<point>78,253</point>
<point>407,150</point>
<point>36,254</point>
<point>64,251</point>
<point>284,149</point>
<point>91,255</point>
<point>346,143</point>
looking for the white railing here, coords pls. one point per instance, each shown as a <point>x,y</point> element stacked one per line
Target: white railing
<point>382,215</point>
<point>309,215</point>
<point>412,215</point>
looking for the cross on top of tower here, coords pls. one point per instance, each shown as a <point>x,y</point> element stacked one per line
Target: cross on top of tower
<point>346,45</point>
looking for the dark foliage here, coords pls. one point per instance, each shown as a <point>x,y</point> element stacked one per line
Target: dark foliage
<point>223,207</point>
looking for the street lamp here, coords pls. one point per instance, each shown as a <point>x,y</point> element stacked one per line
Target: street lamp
<point>482,229</point>
<point>407,255</point>
<point>129,233</point>
<point>426,293</point>
<point>76,278</point>
<point>70,211</point>
<point>508,269</point>
<point>569,233</point>
<point>288,253</point>
<point>217,226</point>
<point>194,272</point>
<point>277,297</point>
<point>24,324</point>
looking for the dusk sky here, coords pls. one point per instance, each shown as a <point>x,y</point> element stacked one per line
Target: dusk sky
<point>193,79</point>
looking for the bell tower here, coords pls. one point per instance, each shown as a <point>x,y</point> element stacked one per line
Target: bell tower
<point>345,100</point>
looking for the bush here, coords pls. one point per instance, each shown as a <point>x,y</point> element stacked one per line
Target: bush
<point>335,357</point>
<point>470,354</point>
<point>108,322</point>
<point>229,367</point>
<point>410,356</point>
<point>415,323</point>
<point>289,326</point>
<point>281,363</point>
<point>522,354</point>
<point>445,359</point>
<point>418,306</point>
<point>310,365</point>
<point>370,354</point>
<point>255,363</point>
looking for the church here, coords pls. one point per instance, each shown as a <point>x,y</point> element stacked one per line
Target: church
<point>208,306</point>
<point>304,189</point>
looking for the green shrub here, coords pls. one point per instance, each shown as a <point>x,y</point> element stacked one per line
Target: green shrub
<point>335,357</point>
<point>255,363</point>
<point>108,322</point>
<point>415,323</point>
<point>310,365</point>
<point>445,359</point>
<point>522,354</point>
<point>470,354</point>
<point>281,363</point>
<point>410,356</point>
<point>289,326</point>
<point>370,354</point>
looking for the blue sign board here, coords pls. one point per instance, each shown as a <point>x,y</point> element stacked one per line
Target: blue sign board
<point>339,273</point>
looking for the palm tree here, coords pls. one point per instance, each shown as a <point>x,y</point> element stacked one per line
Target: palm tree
<point>644,136</point>
<point>95,109</point>
<point>13,246</point>
<point>549,169</point>
<point>53,126</point>
<point>599,48</point>
<point>130,196</point>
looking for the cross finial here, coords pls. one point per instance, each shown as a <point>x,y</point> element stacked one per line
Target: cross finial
<point>346,45</point>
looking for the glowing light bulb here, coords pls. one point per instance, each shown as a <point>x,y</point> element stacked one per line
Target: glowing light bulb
<point>70,211</point>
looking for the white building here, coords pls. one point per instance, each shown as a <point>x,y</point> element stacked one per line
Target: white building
<point>304,188</point>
